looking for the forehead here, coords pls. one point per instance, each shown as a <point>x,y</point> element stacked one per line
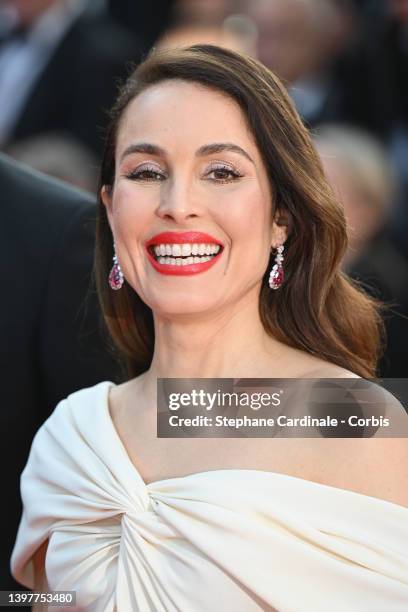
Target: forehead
<point>180,112</point>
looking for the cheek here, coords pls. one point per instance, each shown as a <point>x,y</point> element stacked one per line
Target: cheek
<point>247,218</point>
<point>131,210</point>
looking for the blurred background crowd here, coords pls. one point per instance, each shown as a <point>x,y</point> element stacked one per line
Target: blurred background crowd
<point>344,62</point>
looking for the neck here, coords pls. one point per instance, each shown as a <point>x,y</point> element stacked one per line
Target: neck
<point>227,344</point>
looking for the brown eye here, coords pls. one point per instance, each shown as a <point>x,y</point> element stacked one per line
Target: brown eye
<point>223,174</point>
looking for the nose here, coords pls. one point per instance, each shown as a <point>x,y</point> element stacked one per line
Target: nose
<point>177,202</point>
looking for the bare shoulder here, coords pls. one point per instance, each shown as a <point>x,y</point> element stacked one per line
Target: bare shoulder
<point>384,465</point>
<point>318,368</point>
<point>377,467</point>
<point>302,364</point>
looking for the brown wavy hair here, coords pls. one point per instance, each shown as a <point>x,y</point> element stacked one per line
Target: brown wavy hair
<point>318,309</point>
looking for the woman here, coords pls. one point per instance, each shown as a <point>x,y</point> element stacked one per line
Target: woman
<point>207,168</point>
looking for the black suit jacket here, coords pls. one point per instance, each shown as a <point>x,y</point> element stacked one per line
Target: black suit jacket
<point>138,17</point>
<point>50,334</point>
<point>80,82</point>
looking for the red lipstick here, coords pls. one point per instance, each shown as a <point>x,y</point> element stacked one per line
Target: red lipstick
<point>182,238</point>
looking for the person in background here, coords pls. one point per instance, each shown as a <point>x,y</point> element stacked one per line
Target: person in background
<point>204,11</point>
<point>345,62</point>
<point>50,337</point>
<point>360,172</point>
<point>59,155</point>
<point>384,66</point>
<point>138,17</point>
<point>307,43</point>
<point>236,32</point>
<point>287,36</point>
<point>59,64</point>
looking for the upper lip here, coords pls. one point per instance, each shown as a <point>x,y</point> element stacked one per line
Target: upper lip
<point>192,237</point>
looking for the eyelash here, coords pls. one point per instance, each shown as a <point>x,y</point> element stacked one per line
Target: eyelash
<point>137,174</point>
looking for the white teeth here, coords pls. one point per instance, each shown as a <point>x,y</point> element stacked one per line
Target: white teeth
<point>186,250</point>
<point>178,261</point>
<point>172,253</point>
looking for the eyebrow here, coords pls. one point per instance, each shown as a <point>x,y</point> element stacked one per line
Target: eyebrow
<point>219,147</point>
<point>208,149</point>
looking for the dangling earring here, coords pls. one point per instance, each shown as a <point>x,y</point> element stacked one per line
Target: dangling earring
<point>116,274</point>
<point>277,274</point>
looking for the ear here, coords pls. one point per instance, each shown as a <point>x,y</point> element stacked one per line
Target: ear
<point>280,228</point>
<point>106,197</point>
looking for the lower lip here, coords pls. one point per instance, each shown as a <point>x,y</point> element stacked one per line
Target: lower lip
<point>185,270</point>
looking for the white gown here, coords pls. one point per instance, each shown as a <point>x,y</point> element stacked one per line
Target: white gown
<point>229,540</point>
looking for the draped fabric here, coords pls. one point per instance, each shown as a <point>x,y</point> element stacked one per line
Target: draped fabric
<point>234,540</point>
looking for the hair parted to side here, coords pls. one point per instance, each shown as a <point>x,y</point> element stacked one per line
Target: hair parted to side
<point>317,309</point>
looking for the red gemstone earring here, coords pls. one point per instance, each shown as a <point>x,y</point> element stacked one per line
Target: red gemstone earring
<point>277,274</point>
<point>116,275</point>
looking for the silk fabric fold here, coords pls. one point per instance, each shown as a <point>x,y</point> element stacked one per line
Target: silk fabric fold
<point>233,540</point>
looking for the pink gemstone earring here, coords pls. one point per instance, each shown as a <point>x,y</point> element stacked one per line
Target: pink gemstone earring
<point>115,275</point>
<point>277,274</point>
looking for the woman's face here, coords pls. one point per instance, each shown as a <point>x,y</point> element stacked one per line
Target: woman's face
<point>190,209</point>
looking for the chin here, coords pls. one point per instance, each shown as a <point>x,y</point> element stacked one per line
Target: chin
<point>190,305</point>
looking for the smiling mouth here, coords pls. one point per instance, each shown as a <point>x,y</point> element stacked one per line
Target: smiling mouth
<point>184,254</point>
